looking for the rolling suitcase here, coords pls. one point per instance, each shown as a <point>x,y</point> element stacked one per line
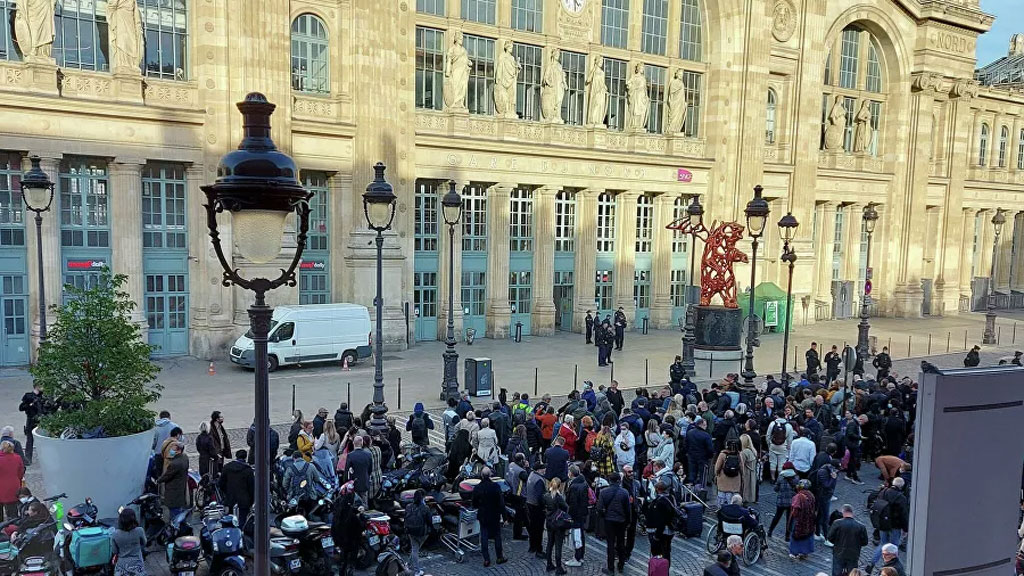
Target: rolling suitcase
<point>657,566</point>
<point>694,523</point>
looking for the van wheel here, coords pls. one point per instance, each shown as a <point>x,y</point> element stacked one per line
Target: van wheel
<point>349,356</point>
<point>272,363</point>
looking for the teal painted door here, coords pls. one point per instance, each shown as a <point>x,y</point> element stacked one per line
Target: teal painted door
<point>474,294</point>
<point>520,299</point>
<point>563,299</point>
<point>14,304</point>
<point>425,305</point>
<point>167,313</point>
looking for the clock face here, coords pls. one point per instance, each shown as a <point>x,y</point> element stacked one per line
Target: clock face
<point>574,6</point>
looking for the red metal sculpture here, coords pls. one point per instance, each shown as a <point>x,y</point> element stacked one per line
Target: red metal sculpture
<point>720,252</point>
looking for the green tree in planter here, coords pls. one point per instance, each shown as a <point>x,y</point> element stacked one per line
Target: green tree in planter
<point>95,364</point>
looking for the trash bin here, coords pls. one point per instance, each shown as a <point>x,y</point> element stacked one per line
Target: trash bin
<point>478,376</point>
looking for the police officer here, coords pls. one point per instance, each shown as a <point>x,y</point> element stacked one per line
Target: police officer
<point>589,321</point>
<point>676,373</point>
<point>882,362</point>
<point>605,339</point>
<point>620,328</point>
<point>832,362</point>
<point>34,407</point>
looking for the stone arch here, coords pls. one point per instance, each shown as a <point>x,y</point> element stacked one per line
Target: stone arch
<point>895,55</point>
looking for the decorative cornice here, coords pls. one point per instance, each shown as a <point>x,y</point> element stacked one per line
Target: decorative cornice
<point>965,88</point>
<point>928,82</point>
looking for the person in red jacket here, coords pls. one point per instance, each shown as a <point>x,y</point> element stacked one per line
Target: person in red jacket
<point>546,421</point>
<point>568,431</point>
<point>12,470</point>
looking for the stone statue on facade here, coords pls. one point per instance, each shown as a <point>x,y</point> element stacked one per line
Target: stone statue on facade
<point>33,28</point>
<point>126,39</point>
<point>506,70</point>
<point>552,89</point>
<point>597,93</point>
<point>456,75</point>
<point>836,125</point>
<point>677,104</point>
<point>638,103</point>
<point>862,128</point>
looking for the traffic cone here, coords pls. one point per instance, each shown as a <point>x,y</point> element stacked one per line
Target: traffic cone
<point>344,364</point>
<point>211,371</point>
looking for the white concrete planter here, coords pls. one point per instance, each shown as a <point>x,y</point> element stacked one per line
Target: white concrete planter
<point>111,471</point>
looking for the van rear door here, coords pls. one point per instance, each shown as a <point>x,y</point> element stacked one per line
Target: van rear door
<point>284,343</point>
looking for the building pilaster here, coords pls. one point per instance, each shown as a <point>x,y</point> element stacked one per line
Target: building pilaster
<point>542,316</point>
<point>499,314</point>
<point>442,285</point>
<point>1017,268</point>
<point>625,254</point>
<point>852,223</point>
<point>585,264</point>
<point>53,275</point>
<point>986,242</point>
<point>823,261</point>
<point>953,286</point>
<point>1004,252</point>
<point>967,252</point>
<point>661,269</point>
<point>126,220</point>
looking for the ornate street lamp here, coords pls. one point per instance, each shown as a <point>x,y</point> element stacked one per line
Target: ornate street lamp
<point>990,315</point>
<point>451,209</point>
<point>257,184</point>
<point>695,215</point>
<point>787,230</point>
<point>870,219</point>
<point>757,211</point>
<point>37,191</point>
<point>379,208</point>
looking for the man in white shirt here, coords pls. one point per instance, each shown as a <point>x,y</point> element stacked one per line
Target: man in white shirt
<point>801,454</point>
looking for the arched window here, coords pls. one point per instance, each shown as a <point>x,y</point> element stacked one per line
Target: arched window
<point>855,73</point>
<point>691,50</point>
<point>1020,151</point>
<point>983,146</point>
<point>310,58</point>
<point>1004,139</point>
<point>769,123</point>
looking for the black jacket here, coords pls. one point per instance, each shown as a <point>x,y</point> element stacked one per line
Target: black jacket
<point>676,372</point>
<point>250,440</point>
<point>615,399</point>
<point>342,420</point>
<point>813,362</point>
<point>318,425</point>
<point>899,508</point>
<point>489,503</point>
<point>578,498</point>
<point>660,514</point>
<point>204,446</point>
<point>883,362</point>
<point>32,406</point>
<point>557,460</point>
<point>896,565</point>
<point>237,484</point>
<point>848,536</point>
<point>613,504</point>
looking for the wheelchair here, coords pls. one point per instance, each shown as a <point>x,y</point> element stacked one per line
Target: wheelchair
<point>755,540</point>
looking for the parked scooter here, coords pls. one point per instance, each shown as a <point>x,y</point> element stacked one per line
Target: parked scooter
<point>316,545</point>
<point>83,542</point>
<point>222,542</point>
<point>159,531</point>
<point>284,550</point>
<point>30,553</point>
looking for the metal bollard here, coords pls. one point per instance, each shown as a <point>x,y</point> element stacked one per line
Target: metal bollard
<point>645,372</point>
<point>399,393</point>
<point>611,375</point>
<point>519,331</point>
<point>711,365</point>
<point>349,396</point>
<point>293,398</point>
<point>999,334</point>
<point>645,326</point>
<point>575,376</point>
<point>949,335</point>
<point>910,338</point>
<point>965,339</point>
<point>929,343</point>
<point>1014,340</point>
<point>536,377</point>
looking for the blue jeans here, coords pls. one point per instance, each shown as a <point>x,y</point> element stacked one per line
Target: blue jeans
<point>486,535</point>
<point>824,509</point>
<point>888,537</point>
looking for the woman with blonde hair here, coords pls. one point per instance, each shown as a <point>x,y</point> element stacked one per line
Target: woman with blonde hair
<point>748,469</point>
<point>205,448</point>
<point>326,448</point>
<point>12,471</point>
<point>557,521</point>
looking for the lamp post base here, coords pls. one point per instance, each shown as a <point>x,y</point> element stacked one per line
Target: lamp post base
<point>450,383</point>
<point>989,338</point>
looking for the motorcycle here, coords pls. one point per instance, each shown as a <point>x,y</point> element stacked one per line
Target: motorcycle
<point>31,553</point>
<point>316,545</point>
<point>222,542</point>
<point>377,538</point>
<point>159,531</point>
<point>83,542</point>
<point>284,550</point>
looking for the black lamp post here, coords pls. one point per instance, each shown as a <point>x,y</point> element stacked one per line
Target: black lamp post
<point>379,208</point>
<point>757,211</point>
<point>870,219</point>
<point>695,215</point>
<point>37,191</point>
<point>451,209</point>
<point>990,315</point>
<point>787,229</point>
<point>257,184</point>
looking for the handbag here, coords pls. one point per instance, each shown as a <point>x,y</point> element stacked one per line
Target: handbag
<point>649,470</point>
<point>560,520</point>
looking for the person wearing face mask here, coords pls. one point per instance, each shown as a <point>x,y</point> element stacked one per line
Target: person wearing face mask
<point>175,479</point>
<point>25,499</point>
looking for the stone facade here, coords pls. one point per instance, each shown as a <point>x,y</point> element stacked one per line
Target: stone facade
<point>936,152</point>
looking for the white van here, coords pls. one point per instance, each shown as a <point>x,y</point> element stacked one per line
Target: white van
<point>311,333</point>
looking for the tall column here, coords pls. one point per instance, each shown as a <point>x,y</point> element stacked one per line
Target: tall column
<point>967,251</point>
<point>499,313</point>
<point>52,266</point>
<point>1005,253</point>
<point>985,245</point>
<point>1017,270</point>
<point>661,269</point>
<point>852,220</point>
<point>957,230</point>
<point>542,317</point>
<point>126,219</point>
<point>824,245</point>
<point>585,265</point>
<point>625,253</point>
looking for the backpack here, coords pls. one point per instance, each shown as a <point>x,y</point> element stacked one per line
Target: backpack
<point>588,442</point>
<point>732,435</point>
<point>779,434</point>
<point>880,512</point>
<point>418,426</point>
<point>732,465</point>
<point>415,521</point>
<point>598,453</point>
<point>298,477</point>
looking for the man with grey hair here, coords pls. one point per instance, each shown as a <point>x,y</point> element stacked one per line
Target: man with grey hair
<point>891,559</point>
<point>734,544</point>
<point>890,514</point>
<point>490,505</point>
<point>847,537</point>
<point>7,435</point>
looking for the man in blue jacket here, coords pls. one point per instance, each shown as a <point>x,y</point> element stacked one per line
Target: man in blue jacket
<point>578,498</point>
<point>557,460</point>
<point>613,506</point>
<point>699,450</point>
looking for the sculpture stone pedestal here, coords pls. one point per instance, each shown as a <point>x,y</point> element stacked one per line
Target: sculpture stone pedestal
<point>718,332</point>
<point>128,86</point>
<point>42,75</point>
